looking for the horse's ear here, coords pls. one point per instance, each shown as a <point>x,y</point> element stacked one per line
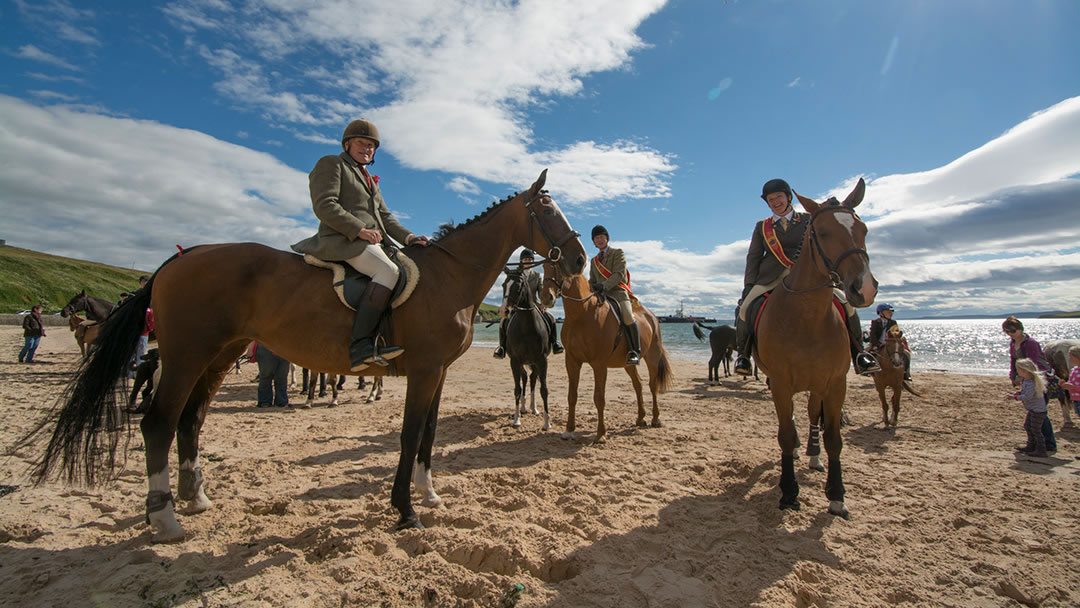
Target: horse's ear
<point>808,203</point>
<point>538,185</point>
<point>82,293</point>
<point>856,195</point>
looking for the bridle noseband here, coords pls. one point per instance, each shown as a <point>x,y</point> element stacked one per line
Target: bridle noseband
<point>833,279</point>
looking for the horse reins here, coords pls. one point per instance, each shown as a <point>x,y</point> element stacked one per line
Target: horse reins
<point>833,279</point>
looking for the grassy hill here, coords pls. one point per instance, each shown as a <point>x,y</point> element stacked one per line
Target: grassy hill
<point>28,278</point>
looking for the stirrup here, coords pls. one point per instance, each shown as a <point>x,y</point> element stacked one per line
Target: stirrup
<point>632,358</point>
<point>743,367</point>
<point>866,365</point>
<point>500,353</point>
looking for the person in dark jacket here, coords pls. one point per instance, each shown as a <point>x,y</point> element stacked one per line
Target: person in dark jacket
<point>774,247</point>
<point>354,223</point>
<point>33,332</point>
<point>879,331</point>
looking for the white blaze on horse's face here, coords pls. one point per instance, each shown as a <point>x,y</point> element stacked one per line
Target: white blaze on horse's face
<point>847,220</point>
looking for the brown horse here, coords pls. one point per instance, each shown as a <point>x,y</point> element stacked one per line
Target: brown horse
<point>802,340</point>
<point>273,297</point>
<point>891,360</point>
<point>86,332</point>
<point>589,334</point>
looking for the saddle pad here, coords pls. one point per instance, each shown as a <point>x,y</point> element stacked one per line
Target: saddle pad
<point>349,284</point>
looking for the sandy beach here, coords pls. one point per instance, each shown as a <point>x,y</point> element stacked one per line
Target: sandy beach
<point>943,513</point>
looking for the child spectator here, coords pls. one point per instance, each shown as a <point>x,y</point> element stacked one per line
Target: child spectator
<point>1073,385</point>
<point>1032,387</point>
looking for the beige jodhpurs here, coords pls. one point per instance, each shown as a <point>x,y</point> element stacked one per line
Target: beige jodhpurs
<point>757,290</point>
<point>375,263</point>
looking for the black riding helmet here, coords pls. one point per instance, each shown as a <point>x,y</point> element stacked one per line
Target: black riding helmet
<point>773,186</point>
<point>526,253</point>
<point>598,229</point>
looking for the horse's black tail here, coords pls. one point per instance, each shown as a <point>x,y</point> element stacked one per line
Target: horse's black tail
<point>698,332</point>
<point>88,419</point>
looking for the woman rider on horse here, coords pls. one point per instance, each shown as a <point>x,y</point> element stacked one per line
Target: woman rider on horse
<point>774,247</point>
<point>352,217</point>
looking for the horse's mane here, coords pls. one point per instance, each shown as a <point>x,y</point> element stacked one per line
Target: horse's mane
<point>448,228</point>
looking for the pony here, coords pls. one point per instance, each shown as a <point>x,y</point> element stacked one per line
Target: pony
<point>802,340</point>
<point>306,324</point>
<point>527,345</point>
<point>592,334</point>
<point>86,333</point>
<point>891,360</point>
<point>722,344</point>
<point>97,309</point>
<point>1057,355</point>
<point>334,387</point>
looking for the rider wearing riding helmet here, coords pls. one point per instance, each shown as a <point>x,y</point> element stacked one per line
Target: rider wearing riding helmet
<point>352,215</point>
<point>534,281</point>
<point>608,276</point>
<point>879,332</point>
<point>774,247</point>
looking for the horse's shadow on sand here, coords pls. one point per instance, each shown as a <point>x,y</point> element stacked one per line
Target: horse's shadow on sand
<point>870,438</point>
<point>705,550</point>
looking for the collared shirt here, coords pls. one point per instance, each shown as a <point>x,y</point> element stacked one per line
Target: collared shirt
<point>601,254</point>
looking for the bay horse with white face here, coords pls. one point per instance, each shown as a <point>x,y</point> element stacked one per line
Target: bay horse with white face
<point>802,339</point>
<point>306,324</point>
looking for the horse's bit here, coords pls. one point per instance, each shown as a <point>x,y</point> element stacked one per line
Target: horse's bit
<point>833,279</point>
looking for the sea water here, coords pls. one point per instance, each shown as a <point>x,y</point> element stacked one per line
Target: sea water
<point>957,346</point>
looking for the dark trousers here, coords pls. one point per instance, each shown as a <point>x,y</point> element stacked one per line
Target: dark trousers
<point>273,376</point>
<point>1034,425</point>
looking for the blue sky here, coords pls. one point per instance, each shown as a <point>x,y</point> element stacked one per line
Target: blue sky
<point>128,127</point>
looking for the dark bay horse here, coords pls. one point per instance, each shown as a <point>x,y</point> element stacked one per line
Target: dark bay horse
<point>721,345</point>
<point>802,340</point>
<point>306,324</point>
<point>97,309</point>
<point>527,345</point>
<point>589,335</point>
<point>891,359</point>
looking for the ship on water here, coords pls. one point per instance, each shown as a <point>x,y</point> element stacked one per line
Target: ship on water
<point>681,317</point>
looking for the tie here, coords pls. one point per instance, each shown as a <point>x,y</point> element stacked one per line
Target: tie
<point>783,223</point>
<point>367,178</point>
<point>601,256</point>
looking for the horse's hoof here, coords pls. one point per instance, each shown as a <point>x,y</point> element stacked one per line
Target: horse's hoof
<point>656,424</point>
<point>793,505</point>
<point>161,538</point>
<point>815,463</point>
<point>409,523</point>
<point>600,440</point>
<point>432,502</point>
<point>641,423</point>
<point>569,435</point>
<point>836,507</point>
<point>515,423</point>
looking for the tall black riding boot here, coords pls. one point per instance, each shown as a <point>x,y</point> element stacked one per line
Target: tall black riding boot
<point>553,334</point>
<point>865,363</point>
<point>743,367</point>
<point>634,356</point>
<point>363,351</point>
<point>500,352</point>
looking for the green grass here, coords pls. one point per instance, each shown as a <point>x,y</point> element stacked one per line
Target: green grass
<point>1062,315</point>
<point>28,278</point>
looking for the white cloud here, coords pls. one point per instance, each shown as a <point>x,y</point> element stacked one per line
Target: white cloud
<point>133,189</point>
<point>29,51</point>
<point>427,70</point>
<point>42,94</point>
<point>60,19</point>
<point>463,185</point>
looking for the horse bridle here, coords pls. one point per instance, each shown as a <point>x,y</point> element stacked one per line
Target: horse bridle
<point>833,278</point>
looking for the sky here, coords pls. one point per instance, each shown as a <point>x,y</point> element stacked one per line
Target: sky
<point>128,127</point>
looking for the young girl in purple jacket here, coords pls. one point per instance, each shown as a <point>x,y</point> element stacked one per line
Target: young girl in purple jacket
<point>1023,346</point>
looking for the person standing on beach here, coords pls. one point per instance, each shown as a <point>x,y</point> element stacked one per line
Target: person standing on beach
<point>774,247</point>
<point>352,215</point>
<point>608,275</point>
<point>273,377</point>
<point>1023,346</point>
<point>33,332</point>
<point>1032,389</point>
